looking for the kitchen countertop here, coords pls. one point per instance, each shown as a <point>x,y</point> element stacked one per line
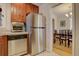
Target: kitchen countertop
<point>12,33</point>
<point>4,31</point>
<point>16,33</point>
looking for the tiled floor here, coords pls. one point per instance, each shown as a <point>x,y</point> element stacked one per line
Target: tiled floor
<point>45,53</point>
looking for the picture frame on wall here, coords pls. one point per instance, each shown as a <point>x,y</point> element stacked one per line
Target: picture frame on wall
<point>62,23</point>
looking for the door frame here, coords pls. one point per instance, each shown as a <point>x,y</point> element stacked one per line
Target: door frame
<point>73,32</point>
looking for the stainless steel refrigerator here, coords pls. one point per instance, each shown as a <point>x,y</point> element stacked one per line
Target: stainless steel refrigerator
<point>36,26</point>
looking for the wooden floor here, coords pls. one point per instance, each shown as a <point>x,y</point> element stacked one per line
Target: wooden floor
<point>62,50</point>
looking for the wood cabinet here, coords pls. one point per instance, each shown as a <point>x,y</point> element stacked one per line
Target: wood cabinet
<point>19,11</point>
<point>32,8</point>
<point>3,46</point>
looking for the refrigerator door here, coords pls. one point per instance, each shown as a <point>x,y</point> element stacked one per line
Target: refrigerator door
<point>37,41</point>
<point>38,20</point>
<point>42,39</point>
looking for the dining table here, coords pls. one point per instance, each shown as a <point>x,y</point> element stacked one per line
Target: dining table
<point>67,37</point>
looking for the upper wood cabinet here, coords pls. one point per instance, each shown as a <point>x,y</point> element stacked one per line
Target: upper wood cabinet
<point>32,8</point>
<point>19,11</point>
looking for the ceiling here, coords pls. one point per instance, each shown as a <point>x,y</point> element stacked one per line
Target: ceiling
<point>46,4</point>
<point>57,8</point>
<point>63,8</point>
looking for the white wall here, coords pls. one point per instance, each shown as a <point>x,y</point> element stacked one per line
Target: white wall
<point>8,23</point>
<point>6,20</point>
<point>59,19</point>
<point>45,10</point>
<point>3,6</point>
<point>75,29</point>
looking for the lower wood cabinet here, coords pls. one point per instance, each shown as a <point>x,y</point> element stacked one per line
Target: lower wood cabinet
<point>3,46</point>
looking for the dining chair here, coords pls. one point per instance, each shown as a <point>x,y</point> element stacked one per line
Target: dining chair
<point>63,37</point>
<point>69,37</point>
<point>56,36</point>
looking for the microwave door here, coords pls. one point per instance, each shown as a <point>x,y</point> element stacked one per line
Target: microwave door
<point>17,28</point>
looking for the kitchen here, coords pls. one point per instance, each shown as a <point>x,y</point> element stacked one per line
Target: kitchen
<point>14,32</point>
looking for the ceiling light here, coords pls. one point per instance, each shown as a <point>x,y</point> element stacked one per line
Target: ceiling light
<point>66,15</point>
<point>71,13</point>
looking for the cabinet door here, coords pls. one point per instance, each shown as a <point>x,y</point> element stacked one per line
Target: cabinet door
<point>13,13</point>
<point>22,13</point>
<point>18,12</point>
<point>21,10</point>
<point>34,8</point>
<point>3,46</point>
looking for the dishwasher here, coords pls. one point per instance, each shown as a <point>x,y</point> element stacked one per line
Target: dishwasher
<point>17,45</point>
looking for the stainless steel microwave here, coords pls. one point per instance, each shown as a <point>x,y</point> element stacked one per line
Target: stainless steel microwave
<point>18,27</point>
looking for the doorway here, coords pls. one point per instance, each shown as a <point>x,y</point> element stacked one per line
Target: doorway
<point>62,30</point>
